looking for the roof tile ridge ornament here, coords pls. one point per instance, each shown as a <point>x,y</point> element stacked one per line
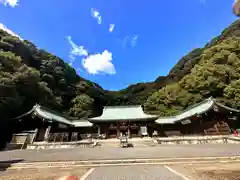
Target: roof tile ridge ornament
<point>36,105</point>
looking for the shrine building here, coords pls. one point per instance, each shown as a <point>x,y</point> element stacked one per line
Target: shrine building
<point>208,117</point>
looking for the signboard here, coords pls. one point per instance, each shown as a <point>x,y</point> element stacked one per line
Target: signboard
<point>187,121</point>
<point>144,130</point>
<point>234,118</point>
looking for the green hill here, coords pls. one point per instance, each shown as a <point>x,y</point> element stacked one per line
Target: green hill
<point>29,75</point>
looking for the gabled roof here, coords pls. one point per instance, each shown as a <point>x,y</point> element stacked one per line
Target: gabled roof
<point>114,113</point>
<point>49,115</point>
<point>196,109</point>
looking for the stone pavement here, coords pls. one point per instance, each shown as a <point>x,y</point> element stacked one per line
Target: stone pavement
<point>163,151</point>
<point>133,173</point>
<point>212,171</point>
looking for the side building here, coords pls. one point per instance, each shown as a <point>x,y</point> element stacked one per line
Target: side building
<point>208,117</point>
<point>49,126</point>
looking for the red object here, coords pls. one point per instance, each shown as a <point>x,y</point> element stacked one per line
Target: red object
<point>235,133</point>
<point>69,178</point>
<point>236,8</point>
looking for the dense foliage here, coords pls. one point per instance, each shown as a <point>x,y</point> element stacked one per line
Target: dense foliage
<point>138,94</point>
<point>29,75</point>
<point>217,75</point>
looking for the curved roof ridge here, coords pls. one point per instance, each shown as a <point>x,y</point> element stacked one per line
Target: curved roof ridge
<point>187,112</point>
<point>197,104</point>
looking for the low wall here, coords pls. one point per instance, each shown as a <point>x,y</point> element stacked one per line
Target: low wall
<point>199,140</point>
<point>59,145</point>
<point>139,143</point>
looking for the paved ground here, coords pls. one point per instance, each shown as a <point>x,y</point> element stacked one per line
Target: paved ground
<point>133,173</point>
<point>41,174</point>
<point>164,151</point>
<point>216,171</point>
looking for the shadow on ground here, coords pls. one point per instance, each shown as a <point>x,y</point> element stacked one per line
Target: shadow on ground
<point>6,164</point>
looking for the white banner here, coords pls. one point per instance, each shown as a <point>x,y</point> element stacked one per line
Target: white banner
<point>144,130</point>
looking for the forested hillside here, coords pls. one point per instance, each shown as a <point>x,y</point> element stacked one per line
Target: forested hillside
<point>139,93</point>
<point>216,74</point>
<point>29,75</point>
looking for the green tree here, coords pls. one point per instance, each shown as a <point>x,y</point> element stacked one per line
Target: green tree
<point>82,106</point>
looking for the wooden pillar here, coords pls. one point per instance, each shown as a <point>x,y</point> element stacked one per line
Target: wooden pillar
<point>106,132</point>
<point>46,135</point>
<point>147,129</point>
<point>99,130</point>
<point>35,135</point>
<point>129,132</point>
<point>70,135</point>
<point>118,132</point>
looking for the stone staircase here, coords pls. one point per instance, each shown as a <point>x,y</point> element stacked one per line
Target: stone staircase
<point>19,141</point>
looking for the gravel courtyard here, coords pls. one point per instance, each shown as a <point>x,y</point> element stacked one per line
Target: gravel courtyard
<point>216,171</point>
<point>213,171</point>
<point>163,151</point>
<point>41,174</point>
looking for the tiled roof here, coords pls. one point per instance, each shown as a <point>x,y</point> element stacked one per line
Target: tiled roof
<point>49,115</point>
<point>197,109</point>
<point>112,113</point>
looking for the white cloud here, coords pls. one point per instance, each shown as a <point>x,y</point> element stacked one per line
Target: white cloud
<point>76,50</point>
<point>202,1</point>
<point>111,27</point>
<point>130,40</point>
<point>134,40</point>
<point>96,14</point>
<point>99,63</point>
<point>12,3</point>
<point>94,63</point>
<point>3,27</point>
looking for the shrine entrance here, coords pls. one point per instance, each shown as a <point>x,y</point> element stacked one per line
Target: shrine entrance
<point>123,127</point>
<point>112,131</point>
<point>135,130</point>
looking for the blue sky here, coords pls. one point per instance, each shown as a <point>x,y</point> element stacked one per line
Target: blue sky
<point>148,38</point>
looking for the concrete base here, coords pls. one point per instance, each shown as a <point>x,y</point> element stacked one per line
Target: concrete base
<point>138,142</point>
<point>47,145</point>
<point>199,140</point>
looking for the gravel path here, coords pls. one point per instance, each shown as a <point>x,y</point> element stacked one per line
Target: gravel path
<point>133,173</point>
<point>164,151</point>
<point>41,174</point>
<point>210,171</point>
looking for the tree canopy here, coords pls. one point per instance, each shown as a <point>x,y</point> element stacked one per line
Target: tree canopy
<point>216,75</point>
<point>29,75</point>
